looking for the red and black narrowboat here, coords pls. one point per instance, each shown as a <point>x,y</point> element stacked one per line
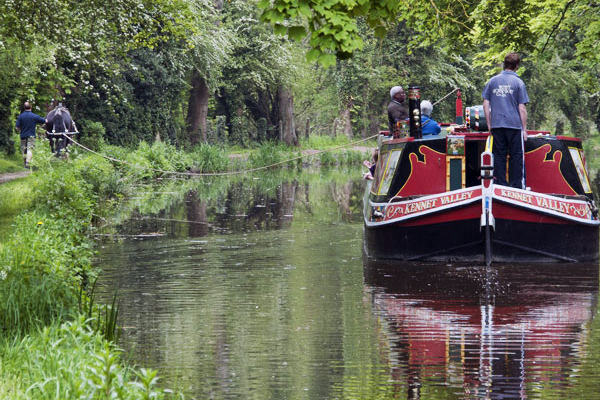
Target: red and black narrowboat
<point>433,198</point>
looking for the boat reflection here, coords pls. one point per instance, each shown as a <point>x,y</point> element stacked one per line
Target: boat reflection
<point>497,332</point>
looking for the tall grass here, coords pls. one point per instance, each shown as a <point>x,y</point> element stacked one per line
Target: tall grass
<point>41,268</point>
<point>12,163</point>
<point>209,158</point>
<point>270,153</point>
<point>71,361</point>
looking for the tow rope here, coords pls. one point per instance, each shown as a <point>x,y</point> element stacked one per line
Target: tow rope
<point>244,171</point>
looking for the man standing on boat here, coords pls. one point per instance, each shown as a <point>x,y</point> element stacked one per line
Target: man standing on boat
<point>396,109</point>
<point>504,100</point>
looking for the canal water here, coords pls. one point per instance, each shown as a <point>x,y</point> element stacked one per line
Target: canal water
<point>256,288</point>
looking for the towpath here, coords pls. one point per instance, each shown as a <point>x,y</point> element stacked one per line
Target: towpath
<point>13,175</point>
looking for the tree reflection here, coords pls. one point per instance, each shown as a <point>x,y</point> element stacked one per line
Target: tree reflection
<point>196,215</point>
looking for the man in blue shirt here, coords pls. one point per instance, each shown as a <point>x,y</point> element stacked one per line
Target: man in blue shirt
<point>26,123</point>
<point>504,100</point>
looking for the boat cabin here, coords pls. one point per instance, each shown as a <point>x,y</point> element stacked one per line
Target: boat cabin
<point>409,166</point>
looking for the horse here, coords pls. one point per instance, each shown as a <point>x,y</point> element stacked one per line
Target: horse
<point>59,121</point>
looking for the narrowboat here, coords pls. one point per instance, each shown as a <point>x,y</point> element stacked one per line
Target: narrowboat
<point>433,198</point>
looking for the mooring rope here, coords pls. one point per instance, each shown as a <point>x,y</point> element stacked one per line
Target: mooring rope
<point>245,171</point>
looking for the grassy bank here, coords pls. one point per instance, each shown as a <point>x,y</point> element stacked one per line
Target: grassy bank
<point>12,163</point>
<point>54,341</point>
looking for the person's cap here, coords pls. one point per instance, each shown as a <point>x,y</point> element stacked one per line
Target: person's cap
<point>395,90</point>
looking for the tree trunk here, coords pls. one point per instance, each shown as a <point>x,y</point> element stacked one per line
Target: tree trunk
<point>307,129</point>
<point>197,109</point>
<point>345,119</point>
<point>286,116</point>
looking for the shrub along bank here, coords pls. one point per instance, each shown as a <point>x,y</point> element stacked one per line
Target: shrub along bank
<point>54,341</point>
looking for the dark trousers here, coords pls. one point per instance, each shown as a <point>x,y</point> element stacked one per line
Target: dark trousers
<point>508,141</point>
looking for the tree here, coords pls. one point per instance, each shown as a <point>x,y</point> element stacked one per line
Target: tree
<point>210,51</point>
<point>256,81</point>
<point>332,30</point>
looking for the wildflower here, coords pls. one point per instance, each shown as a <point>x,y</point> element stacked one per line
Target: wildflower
<point>40,223</point>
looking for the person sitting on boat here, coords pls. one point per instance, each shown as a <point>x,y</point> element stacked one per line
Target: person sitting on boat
<point>58,121</point>
<point>371,165</point>
<point>396,109</point>
<point>428,125</point>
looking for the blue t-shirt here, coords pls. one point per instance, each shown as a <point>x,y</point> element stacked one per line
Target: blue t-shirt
<point>26,121</point>
<point>505,92</point>
<point>429,126</point>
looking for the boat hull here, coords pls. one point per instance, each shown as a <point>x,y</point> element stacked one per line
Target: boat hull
<point>463,241</point>
<point>524,226</point>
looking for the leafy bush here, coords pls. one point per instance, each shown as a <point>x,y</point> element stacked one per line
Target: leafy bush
<point>209,158</point>
<point>63,193</point>
<point>100,174</point>
<point>327,158</point>
<point>91,134</point>
<point>41,268</point>
<point>270,153</point>
<point>70,361</point>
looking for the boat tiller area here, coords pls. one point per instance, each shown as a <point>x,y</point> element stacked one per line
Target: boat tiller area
<point>487,185</point>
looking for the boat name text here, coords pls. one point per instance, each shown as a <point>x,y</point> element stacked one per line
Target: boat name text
<point>403,209</point>
<point>565,207</point>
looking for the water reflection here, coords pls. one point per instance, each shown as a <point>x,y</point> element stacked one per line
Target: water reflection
<point>499,332</point>
<point>252,290</point>
<point>256,289</point>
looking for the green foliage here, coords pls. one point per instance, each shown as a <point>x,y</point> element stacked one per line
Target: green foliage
<point>261,65</point>
<point>42,264</point>
<point>11,163</point>
<point>15,196</point>
<point>346,157</point>
<point>92,134</point>
<point>63,193</point>
<point>209,158</point>
<point>270,153</point>
<point>70,361</point>
<point>319,142</point>
<point>100,174</point>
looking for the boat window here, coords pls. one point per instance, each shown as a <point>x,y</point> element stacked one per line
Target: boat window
<point>386,169</point>
<point>579,161</point>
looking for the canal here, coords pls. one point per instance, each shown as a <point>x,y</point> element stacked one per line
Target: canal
<point>256,288</point>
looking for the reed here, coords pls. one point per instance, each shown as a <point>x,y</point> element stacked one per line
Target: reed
<point>270,153</point>
<point>209,158</point>
<point>102,318</point>
<point>71,361</point>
